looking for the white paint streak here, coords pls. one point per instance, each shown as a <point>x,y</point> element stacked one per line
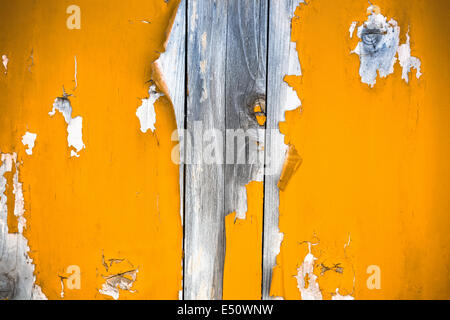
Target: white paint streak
<point>74,125</point>
<point>352,29</point>
<point>17,280</point>
<point>62,287</point>
<point>76,73</point>
<point>146,112</point>
<point>28,140</point>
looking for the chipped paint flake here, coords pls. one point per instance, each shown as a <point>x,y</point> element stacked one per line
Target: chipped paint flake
<point>28,140</point>
<point>307,280</point>
<point>121,281</point>
<point>74,125</point>
<point>407,61</point>
<point>5,61</point>
<point>146,112</point>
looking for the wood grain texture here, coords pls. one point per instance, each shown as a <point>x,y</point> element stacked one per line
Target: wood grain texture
<point>204,215</point>
<point>226,56</point>
<point>245,87</point>
<point>282,60</point>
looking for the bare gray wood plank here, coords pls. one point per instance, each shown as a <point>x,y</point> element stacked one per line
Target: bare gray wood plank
<point>245,88</point>
<point>282,60</point>
<point>204,202</point>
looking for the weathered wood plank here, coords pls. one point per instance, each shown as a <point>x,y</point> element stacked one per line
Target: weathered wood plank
<point>204,202</point>
<point>245,88</point>
<point>282,60</point>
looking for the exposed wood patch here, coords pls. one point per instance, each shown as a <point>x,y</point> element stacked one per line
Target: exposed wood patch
<point>205,209</point>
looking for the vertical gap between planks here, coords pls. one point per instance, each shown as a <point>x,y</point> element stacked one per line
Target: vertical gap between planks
<point>184,138</point>
<point>265,142</point>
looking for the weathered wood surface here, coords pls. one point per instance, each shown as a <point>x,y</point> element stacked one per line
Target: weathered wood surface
<point>227,47</point>
<point>245,87</point>
<point>204,202</point>
<point>227,52</point>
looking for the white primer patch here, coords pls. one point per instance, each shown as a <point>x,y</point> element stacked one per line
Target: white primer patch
<point>406,61</point>
<point>28,140</point>
<point>277,242</point>
<point>5,61</point>
<point>310,290</point>
<point>379,48</point>
<point>74,125</point>
<point>307,280</point>
<point>146,112</point>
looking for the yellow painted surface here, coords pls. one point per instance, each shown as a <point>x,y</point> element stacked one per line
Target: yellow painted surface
<point>374,159</point>
<point>372,187</point>
<point>242,271</point>
<point>120,198</point>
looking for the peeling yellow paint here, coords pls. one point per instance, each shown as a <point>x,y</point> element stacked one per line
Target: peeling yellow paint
<point>374,160</point>
<point>105,200</point>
